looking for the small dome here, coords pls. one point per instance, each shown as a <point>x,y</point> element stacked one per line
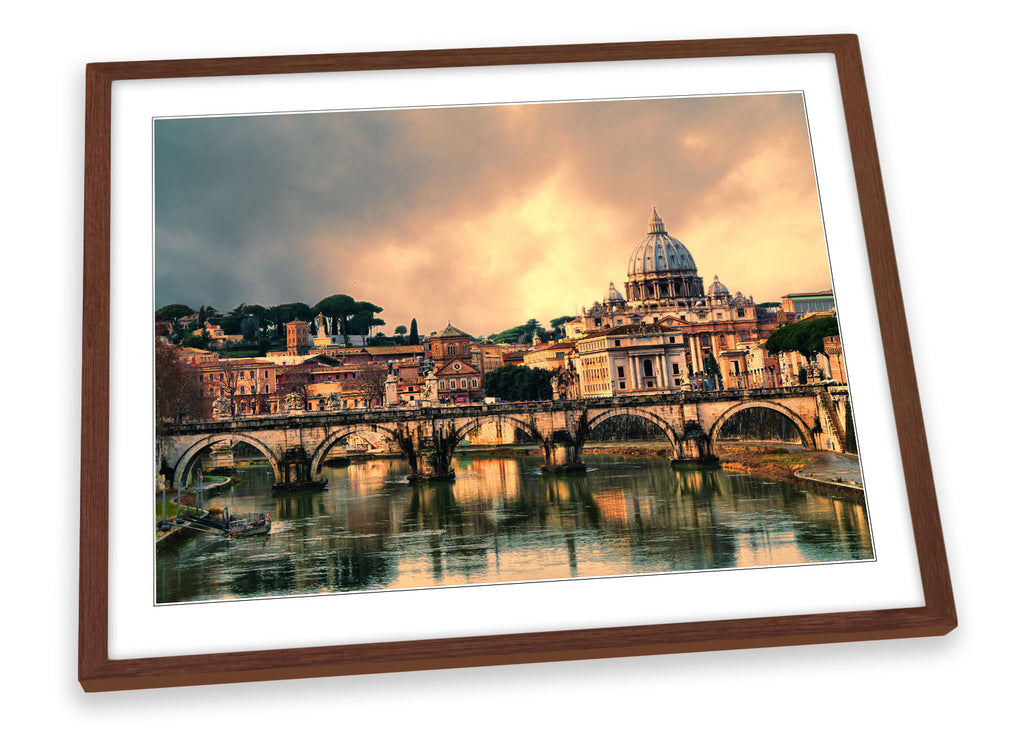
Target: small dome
<point>659,252</point>
<point>613,294</point>
<point>717,289</point>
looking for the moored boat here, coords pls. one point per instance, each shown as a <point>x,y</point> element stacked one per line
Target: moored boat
<point>247,526</point>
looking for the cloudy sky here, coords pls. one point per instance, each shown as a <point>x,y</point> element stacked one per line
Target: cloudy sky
<point>484,216</point>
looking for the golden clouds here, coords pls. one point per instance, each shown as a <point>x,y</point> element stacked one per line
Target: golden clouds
<point>487,216</point>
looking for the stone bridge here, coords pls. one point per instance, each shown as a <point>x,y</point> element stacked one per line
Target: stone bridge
<point>297,443</point>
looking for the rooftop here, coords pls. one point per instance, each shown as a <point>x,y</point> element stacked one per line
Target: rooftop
<point>451,332</point>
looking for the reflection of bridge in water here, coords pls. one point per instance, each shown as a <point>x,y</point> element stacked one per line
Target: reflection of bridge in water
<point>297,443</point>
<point>501,520</point>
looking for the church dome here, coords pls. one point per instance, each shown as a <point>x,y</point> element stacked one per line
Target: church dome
<point>659,252</point>
<point>613,294</point>
<point>717,289</point>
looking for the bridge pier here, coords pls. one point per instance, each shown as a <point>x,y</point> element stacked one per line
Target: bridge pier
<point>563,454</point>
<point>693,446</point>
<point>295,467</point>
<point>430,456</point>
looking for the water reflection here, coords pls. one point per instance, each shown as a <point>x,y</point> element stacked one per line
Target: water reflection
<point>502,520</point>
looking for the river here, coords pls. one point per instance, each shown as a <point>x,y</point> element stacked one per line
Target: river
<point>503,520</point>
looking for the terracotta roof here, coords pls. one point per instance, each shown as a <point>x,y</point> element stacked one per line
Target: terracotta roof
<point>552,346</point>
<point>450,332</point>
<point>377,350</point>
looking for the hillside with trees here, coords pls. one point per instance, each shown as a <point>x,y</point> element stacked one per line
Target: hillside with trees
<point>806,336</point>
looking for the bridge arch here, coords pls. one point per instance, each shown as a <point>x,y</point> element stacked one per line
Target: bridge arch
<point>188,458</point>
<point>653,418</point>
<point>317,462</point>
<point>461,431</point>
<point>806,434</point>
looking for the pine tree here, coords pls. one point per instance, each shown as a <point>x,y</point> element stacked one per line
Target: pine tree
<point>414,333</point>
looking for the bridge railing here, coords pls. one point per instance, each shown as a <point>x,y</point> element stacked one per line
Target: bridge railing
<point>304,418</point>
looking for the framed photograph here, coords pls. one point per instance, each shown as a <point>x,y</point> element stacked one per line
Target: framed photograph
<point>433,359</point>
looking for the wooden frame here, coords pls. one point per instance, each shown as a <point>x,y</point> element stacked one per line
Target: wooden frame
<point>97,672</point>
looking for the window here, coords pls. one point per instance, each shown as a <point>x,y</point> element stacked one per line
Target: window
<point>622,372</point>
<point>672,339</point>
<point>622,385</point>
<point>462,383</point>
<point>475,384</point>
<point>618,343</point>
<point>675,369</point>
<point>741,312</point>
<point>451,349</point>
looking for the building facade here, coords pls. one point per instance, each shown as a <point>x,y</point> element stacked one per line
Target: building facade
<point>632,359</point>
<point>456,365</point>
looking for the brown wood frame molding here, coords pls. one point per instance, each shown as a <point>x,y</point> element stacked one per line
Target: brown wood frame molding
<point>97,672</point>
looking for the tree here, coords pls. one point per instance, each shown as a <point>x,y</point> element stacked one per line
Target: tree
<point>178,392</point>
<point>414,333</point>
<point>517,383</point>
<point>371,383</point>
<point>173,312</point>
<point>802,375</point>
<point>558,324</point>
<point>401,330</point>
<point>521,333</point>
<point>285,313</point>
<point>806,336</point>
<point>227,382</point>
<point>338,308</point>
<point>711,366</point>
<point>201,341</point>
<point>207,313</point>
<point>364,317</point>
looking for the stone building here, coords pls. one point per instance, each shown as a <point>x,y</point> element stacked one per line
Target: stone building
<point>801,305</point>
<point>662,282</point>
<point>456,365</point>
<point>297,337</point>
<point>218,338</point>
<point>665,293</point>
<point>250,384</point>
<point>549,356</point>
<point>631,359</point>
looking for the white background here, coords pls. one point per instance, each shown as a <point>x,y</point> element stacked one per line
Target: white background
<point>942,89</point>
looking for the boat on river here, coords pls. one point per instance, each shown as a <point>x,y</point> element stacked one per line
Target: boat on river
<point>223,524</point>
<point>247,526</point>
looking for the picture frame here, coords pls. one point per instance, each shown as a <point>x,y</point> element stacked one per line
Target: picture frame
<point>99,671</point>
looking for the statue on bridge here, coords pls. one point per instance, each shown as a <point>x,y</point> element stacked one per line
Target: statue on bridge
<point>294,402</point>
<point>222,408</point>
<point>428,394</point>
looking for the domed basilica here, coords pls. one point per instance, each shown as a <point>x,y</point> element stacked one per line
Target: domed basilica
<point>663,286</point>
